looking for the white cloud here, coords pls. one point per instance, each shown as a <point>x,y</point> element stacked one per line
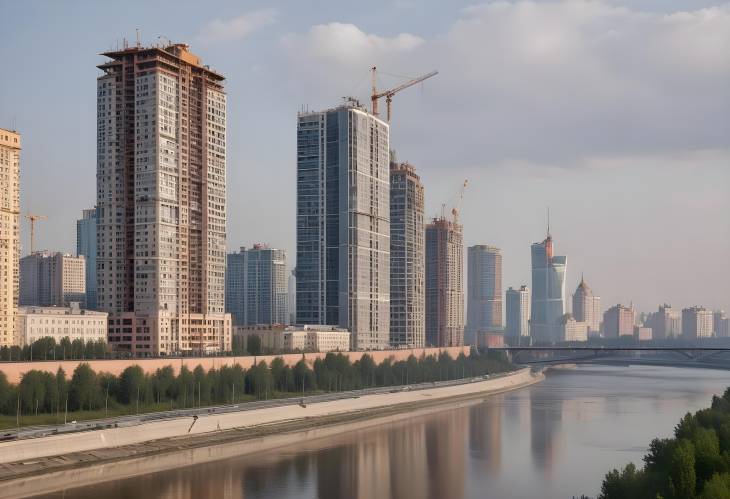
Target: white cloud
<point>220,30</point>
<point>346,44</point>
<point>548,82</point>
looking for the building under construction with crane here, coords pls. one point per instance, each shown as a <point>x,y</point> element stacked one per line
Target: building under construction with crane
<point>445,279</point>
<point>343,218</point>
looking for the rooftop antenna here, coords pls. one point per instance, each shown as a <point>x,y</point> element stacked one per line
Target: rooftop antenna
<point>138,43</point>
<point>548,221</point>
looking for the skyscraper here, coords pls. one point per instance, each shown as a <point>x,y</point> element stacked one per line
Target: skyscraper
<point>618,321</point>
<point>407,258</point>
<point>587,306</point>
<point>343,223</point>
<point>52,279</point>
<point>665,323</point>
<point>161,198</point>
<point>256,286</point>
<point>444,283</point>
<point>9,234</point>
<point>484,296</point>
<point>86,247</point>
<point>518,313</point>
<point>697,323</point>
<point>721,324</point>
<point>548,291</point>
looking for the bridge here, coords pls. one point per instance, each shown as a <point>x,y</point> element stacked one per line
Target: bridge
<point>592,353</point>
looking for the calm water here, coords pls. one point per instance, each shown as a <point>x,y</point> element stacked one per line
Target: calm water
<point>553,440</point>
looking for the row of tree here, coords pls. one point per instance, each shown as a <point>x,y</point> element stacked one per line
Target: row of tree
<point>48,349</point>
<point>42,392</point>
<point>695,463</point>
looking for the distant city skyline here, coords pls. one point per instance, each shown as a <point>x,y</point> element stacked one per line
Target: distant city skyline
<point>649,176</point>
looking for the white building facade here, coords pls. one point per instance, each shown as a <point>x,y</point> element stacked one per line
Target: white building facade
<point>58,323</point>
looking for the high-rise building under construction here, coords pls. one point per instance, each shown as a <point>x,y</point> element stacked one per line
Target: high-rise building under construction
<point>444,283</point>
<point>161,197</point>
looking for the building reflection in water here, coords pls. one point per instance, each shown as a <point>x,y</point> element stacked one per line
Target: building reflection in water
<point>485,434</point>
<point>545,430</point>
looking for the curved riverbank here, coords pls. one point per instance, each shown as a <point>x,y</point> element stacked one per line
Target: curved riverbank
<point>45,464</point>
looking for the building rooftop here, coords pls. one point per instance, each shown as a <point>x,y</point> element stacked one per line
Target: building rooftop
<point>179,51</point>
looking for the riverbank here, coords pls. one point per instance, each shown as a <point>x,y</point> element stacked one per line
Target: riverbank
<point>45,464</point>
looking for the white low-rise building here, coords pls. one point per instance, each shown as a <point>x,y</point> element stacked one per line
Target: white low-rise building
<point>276,338</point>
<point>317,339</point>
<point>70,322</point>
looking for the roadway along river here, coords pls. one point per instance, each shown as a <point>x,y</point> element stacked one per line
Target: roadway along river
<point>555,439</point>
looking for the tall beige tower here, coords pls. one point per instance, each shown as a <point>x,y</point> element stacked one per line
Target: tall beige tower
<point>9,233</point>
<point>444,283</point>
<point>161,197</point>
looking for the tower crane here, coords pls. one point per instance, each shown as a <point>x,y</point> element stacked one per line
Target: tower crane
<point>388,94</point>
<point>459,197</point>
<point>33,219</point>
<point>457,205</point>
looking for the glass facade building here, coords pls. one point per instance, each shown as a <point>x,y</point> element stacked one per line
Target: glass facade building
<point>86,247</point>
<point>256,286</point>
<point>484,291</point>
<point>548,291</point>
<point>407,258</point>
<point>343,223</point>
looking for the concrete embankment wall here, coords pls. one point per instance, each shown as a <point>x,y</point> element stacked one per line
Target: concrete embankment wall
<point>23,450</point>
<point>15,370</point>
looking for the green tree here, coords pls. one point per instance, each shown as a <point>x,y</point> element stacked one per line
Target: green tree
<point>131,385</point>
<point>682,470</point>
<point>717,487</point>
<point>5,394</point>
<point>254,345</point>
<point>84,392</point>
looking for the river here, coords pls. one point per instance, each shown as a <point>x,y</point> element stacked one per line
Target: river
<point>555,439</point>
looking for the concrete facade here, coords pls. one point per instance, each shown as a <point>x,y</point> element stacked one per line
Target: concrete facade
<point>86,247</point>
<point>572,330</point>
<point>161,198</point>
<point>58,323</point>
<point>484,291</point>
<point>309,338</point>
<point>343,223</point>
<point>52,279</point>
<point>444,283</point>
<point>9,234</point>
<point>407,258</point>
<point>518,313</point>
<point>665,323</point>
<point>587,306</point>
<point>697,323</point>
<point>618,321</point>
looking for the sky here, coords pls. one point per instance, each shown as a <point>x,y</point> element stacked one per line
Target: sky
<point>615,114</point>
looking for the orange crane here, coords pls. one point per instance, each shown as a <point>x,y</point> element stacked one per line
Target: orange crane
<point>33,219</point>
<point>388,94</point>
<point>457,204</point>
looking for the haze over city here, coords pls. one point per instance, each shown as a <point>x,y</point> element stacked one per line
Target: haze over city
<point>613,114</point>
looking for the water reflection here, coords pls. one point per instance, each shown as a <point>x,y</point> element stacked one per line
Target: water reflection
<point>572,428</point>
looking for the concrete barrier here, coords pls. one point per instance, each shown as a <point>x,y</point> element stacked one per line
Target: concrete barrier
<point>15,370</point>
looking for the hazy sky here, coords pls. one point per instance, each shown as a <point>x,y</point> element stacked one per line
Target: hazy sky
<point>615,114</point>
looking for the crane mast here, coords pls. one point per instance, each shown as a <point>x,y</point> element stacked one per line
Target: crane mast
<point>388,94</point>
<point>33,219</point>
